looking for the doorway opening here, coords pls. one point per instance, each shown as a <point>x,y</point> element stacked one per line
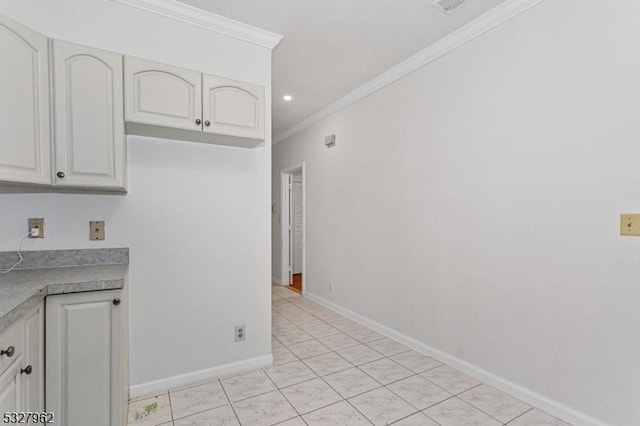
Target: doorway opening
<point>292,224</point>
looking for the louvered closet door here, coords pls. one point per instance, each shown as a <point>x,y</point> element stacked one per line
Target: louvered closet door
<point>298,227</point>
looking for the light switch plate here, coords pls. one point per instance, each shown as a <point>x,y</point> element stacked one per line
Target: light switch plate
<point>96,230</point>
<point>630,224</point>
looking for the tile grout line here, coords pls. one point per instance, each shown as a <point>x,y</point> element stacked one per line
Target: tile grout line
<point>517,417</point>
<point>230,403</point>
<point>171,408</point>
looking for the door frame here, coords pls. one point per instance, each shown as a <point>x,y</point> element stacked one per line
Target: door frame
<point>285,212</point>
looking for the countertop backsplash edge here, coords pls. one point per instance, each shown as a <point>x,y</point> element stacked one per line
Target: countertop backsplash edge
<point>40,259</point>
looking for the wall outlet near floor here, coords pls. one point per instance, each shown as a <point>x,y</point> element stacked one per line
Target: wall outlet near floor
<point>239,333</point>
<point>330,286</point>
<point>36,227</point>
<point>96,230</point>
<point>630,224</point>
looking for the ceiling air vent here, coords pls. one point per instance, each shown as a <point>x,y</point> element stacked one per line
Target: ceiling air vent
<point>448,6</point>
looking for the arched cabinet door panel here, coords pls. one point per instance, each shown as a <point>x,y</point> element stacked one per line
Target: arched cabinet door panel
<point>84,359</point>
<point>233,108</point>
<point>162,95</point>
<point>89,117</point>
<point>25,140</point>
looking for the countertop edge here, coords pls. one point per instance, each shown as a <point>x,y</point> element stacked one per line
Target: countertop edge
<point>25,306</point>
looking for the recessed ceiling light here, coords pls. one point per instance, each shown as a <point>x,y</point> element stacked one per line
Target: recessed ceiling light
<point>287,98</point>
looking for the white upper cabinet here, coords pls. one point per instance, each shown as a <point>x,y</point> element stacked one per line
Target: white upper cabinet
<point>24,105</point>
<point>90,148</point>
<point>164,101</point>
<point>233,108</point>
<point>162,95</point>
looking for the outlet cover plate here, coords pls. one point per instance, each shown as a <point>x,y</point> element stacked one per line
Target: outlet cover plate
<point>96,230</point>
<point>36,222</point>
<point>240,333</point>
<point>630,224</point>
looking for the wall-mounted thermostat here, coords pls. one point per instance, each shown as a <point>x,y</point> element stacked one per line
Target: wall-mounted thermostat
<point>330,141</point>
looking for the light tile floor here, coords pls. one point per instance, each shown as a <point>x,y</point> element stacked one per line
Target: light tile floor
<point>331,371</point>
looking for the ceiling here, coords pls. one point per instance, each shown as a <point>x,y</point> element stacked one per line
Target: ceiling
<point>331,47</point>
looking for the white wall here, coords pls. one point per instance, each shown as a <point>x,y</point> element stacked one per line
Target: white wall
<point>195,215</point>
<point>473,205</point>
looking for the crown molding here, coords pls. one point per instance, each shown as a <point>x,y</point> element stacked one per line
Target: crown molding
<point>486,22</point>
<point>209,21</point>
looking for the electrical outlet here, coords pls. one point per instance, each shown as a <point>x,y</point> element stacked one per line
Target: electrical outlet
<point>239,333</point>
<point>96,230</point>
<point>630,224</point>
<point>36,227</point>
<point>330,286</point>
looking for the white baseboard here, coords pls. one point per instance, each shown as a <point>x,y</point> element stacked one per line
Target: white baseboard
<point>557,409</point>
<point>276,280</point>
<point>212,373</point>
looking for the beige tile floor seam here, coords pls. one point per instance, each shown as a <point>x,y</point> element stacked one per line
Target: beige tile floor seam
<point>332,371</point>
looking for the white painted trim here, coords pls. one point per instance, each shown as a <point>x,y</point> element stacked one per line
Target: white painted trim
<point>163,385</point>
<point>486,22</point>
<point>209,21</point>
<point>276,280</point>
<point>555,408</point>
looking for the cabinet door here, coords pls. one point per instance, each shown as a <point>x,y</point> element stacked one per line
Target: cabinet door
<point>233,108</point>
<point>25,141</point>
<point>33,383</point>
<point>89,117</point>
<point>162,95</point>
<point>84,359</point>
<point>11,399</point>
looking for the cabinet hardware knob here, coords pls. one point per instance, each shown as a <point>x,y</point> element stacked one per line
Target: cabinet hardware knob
<point>116,301</point>
<point>207,123</point>
<point>198,121</point>
<point>26,370</point>
<point>60,174</point>
<point>8,352</point>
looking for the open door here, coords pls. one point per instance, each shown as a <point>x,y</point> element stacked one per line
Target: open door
<point>290,228</point>
<point>292,225</point>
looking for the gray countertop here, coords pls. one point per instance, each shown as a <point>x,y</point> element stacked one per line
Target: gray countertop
<point>22,290</point>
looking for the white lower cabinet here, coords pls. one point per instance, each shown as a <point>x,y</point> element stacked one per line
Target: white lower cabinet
<point>11,394</point>
<point>84,362</point>
<point>21,362</point>
<point>34,357</point>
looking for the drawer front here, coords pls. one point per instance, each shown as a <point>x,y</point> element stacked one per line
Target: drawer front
<point>11,345</point>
